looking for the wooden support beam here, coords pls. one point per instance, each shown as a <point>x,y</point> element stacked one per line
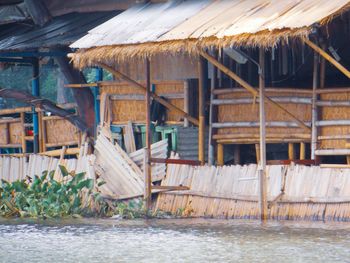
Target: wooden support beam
<point>202,88</point>
<point>84,85</point>
<point>176,161</point>
<point>248,87</point>
<point>314,107</point>
<point>186,101</point>
<point>170,188</point>
<point>262,170</point>
<point>148,154</point>
<point>220,152</point>
<point>68,151</point>
<point>326,56</point>
<point>212,115</point>
<point>291,151</point>
<point>165,103</point>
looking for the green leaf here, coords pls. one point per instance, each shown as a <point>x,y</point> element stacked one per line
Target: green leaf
<point>64,170</point>
<point>101,183</point>
<point>77,178</point>
<point>88,183</point>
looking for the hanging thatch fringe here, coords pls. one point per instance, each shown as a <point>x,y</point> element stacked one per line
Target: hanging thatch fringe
<point>120,53</point>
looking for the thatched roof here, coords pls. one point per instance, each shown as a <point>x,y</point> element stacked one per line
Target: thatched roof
<point>186,26</point>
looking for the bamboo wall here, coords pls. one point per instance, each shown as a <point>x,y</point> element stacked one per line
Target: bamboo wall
<point>11,133</point>
<point>132,107</point>
<point>334,113</point>
<point>57,131</point>
<point>310,193</point>
<point>250,113</point>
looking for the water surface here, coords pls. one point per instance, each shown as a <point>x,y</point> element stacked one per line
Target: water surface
<point>172,241</point>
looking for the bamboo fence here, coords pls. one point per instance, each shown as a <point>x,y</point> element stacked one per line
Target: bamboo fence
<point>294,192</point>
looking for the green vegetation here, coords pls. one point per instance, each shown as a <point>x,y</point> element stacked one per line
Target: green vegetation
<point>45,197</point>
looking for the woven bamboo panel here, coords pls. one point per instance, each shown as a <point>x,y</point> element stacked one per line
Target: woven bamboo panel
<point>61,131</point>
<point>250,113</point>
<point>128,110</point>
<point>14,131</point>
<point>310,193</point>
<point>335,113</point>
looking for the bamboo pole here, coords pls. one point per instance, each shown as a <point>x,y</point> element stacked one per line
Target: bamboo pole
<point>148,175</point>
<point>248,87</point>
<point>203,80</point>
<point>314,108</point>
<point>252,124</point>
<point>292,100</point>
<point>325,55</point>
<point>262,170</point>
<point>267,90</point>
<point>165,103</point>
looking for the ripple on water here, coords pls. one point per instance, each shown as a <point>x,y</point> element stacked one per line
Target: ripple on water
<point>172,241</point>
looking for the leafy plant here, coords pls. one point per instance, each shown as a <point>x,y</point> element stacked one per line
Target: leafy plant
<point>45,197</point>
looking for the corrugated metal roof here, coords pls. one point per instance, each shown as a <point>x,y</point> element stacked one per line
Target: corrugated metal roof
<point>61,31</point>
<point>199,19</point>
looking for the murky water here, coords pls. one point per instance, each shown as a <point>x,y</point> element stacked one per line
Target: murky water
<point>172,241</point>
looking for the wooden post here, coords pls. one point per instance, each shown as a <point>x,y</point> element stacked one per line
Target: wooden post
<point>24,142</point>
<point>148,176</point>
<point>302,151</point>
<point>186,102</point>
<point>202,87</point>
<point>212,115</point>
<point>257,152</point>
<point>262,169</point>
<point>220,157</point>
<point>314,108</point>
